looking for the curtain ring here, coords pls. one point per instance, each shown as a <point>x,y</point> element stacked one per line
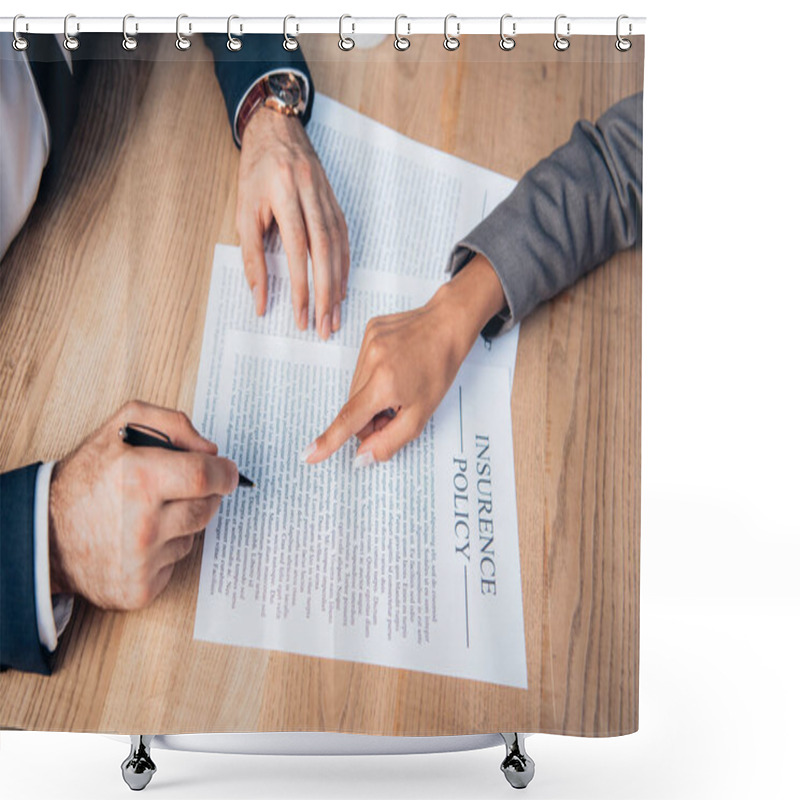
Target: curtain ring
<point>20,43</point>
<point>128,42</point>
<point>345,42</point>
<point>401,42</point>
<point>71,43</point>
<point>560,42</point>
<point>507,42</point>
<point>289,42</point>
<point>451,42</point>
<point>181,42</point>
<point>623,45</point>
<point>233,44</point>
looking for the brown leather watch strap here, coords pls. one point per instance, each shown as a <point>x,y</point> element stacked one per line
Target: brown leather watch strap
<point>262,95</point>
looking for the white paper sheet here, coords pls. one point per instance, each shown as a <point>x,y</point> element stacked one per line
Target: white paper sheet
<point>413,563</point>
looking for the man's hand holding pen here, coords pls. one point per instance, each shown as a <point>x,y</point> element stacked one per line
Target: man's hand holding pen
<point>122,517</point>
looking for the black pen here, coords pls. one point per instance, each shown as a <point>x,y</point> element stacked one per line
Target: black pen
<point>138,435</point>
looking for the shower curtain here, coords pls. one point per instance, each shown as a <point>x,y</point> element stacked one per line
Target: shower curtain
<point>397,287</point>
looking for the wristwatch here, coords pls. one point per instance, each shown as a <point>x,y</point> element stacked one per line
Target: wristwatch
<point>284,92</point>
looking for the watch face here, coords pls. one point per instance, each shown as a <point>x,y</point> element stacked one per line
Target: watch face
<point>286,87</point>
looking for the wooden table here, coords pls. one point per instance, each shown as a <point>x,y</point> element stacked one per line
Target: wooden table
<point>102,299</point>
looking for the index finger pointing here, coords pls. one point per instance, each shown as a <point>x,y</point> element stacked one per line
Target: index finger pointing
<point>355,414</point>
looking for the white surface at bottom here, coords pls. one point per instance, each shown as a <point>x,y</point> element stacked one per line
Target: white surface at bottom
<point>712,725</point>
<point>318,744</point>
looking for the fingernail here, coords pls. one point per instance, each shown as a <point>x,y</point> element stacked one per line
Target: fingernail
<point>304,319</point>
<point>325,331</point>
<point>364,459</point>
<point>337,316</point>
<point>307,451</point>
<point>254,292</point>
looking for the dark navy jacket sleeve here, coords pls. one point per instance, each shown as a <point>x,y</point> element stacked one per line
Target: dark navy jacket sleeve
<point>19,634</point>
<point>259,54</point>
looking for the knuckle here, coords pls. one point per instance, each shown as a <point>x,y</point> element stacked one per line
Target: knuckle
<point>185,544</point>
<point>142,596</point>
<point>137,595</point>
<point>299,293</point>
<point>324,248</point>
<point>346,416</point>
<point>133,407</point>
<point>376,350</point>
<point>135,479</point>
<point>304,171</point>
<point>334,234</point>
<point>199,478</point>
<point>297,241</point>
<point>384,386</point>
<point>144,536</point>
<point>284,172</point>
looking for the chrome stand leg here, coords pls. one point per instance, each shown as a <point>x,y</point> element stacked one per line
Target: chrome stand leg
<point>517,766</point>
<point>138,768</point>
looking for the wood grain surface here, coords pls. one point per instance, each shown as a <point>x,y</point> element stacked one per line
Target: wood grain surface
<point>102,299</point>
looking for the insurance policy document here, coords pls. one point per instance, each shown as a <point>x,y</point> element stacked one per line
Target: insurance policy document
<point>413,563</point>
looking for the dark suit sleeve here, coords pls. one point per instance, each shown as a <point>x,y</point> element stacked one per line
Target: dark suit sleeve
<point>19,634</point>
<point>259,54</point>
<point>567,215</point>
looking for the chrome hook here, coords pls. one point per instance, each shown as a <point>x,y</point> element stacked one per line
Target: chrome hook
<point>181,42</point>
<point>233,44</point>
<point>507,42</point>
<point>561,43</point>
<point>451,42</point>
<point>20,43</point>
<point>346,42</point>
<point>289,42</point>
<point>129,42</point>
<point>401,42</point>
<point>71,43</point>
<point>623,45</point>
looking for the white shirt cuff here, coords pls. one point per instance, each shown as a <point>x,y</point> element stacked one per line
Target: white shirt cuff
<point>53,612</point>
<point>296,72</point>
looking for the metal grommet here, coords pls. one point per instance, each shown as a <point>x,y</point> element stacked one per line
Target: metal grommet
<point>451,42</point>
<point>345,42</point>
<point>560,43</point>
<point>181,42</point>
<point>128,42</point>
<point>20,43</point>
<point>401,42</point>
<point>623,45</point>
<point>507,42</point>
<point>234,44</point>
<point>71,43</point>
<point>289,42</point>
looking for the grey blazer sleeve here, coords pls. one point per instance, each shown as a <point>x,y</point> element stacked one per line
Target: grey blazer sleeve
<point>568,214</point>
<point>19,632</point>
